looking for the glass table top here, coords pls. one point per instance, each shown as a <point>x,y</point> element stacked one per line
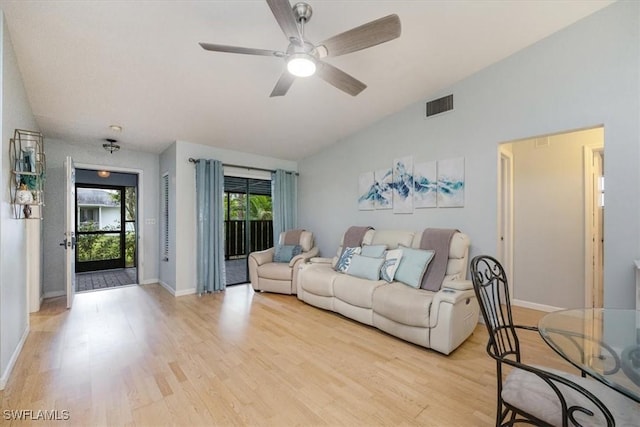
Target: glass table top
<point>605,343</point>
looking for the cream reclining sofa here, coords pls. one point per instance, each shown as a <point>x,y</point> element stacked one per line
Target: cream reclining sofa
<point>437,320</point>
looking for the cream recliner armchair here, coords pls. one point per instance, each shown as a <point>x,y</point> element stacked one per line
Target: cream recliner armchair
<point>280,277</point>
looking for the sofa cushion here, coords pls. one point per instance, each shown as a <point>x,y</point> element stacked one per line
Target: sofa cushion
<point>318,279</point>
<point>392,238</point>
<point>365,267</point>
<point>390,265</point>
<point>403,304</point>
<point>275,270</point>
<point>284,253</point>
<point>356,291</point>
<point>413,265</point>
<point>374,251</point>
<point>345,259</point>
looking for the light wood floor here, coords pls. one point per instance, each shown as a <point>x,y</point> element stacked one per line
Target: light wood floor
<point>137,356</point>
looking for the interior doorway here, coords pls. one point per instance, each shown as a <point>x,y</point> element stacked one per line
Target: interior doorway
<point>106,208</point>
<point>551,219</point>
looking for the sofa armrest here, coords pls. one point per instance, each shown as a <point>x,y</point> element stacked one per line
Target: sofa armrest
<point>321,260</point>
<point>304,257</point>
<point>263,257</point>
<point>458,285</point>
<point>450,296</point>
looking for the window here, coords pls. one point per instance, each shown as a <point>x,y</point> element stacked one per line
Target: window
<point>89,216</point>
<point>165,217</point>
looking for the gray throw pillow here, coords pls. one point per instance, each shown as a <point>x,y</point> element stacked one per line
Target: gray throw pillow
<point>284,253</point>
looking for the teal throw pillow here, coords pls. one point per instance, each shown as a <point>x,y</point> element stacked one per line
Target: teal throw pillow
<point>413,265</point>
<point>365,267</point>
<point>373,251</point>
<point>345,259</point>
<point>285,253</point>
<point>390,265</point>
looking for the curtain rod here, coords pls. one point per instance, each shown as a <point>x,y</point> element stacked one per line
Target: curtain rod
<point>194,161</point>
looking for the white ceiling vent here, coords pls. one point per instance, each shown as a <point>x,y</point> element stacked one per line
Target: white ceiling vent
<point>440,105</point>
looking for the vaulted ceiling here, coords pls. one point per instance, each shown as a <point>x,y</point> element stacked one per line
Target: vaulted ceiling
<point>90,64</point>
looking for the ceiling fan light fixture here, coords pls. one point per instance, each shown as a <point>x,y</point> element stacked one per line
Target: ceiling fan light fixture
<point>111,145</point>
<point>301,65</point>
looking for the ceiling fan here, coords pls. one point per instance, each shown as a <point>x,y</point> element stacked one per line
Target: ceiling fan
<point>304,59</point>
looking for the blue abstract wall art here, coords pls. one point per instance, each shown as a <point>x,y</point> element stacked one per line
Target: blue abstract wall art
<point>451,183</point>
<point>403,185</point>
<point>425,185</point>
<point>384,188</point>
<point>366,191</point>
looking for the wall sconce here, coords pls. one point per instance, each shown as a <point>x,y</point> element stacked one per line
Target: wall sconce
<point>104,174</point>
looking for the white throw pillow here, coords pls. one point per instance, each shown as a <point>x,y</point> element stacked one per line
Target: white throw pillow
<point>390,265</point>
<point>345,259</point>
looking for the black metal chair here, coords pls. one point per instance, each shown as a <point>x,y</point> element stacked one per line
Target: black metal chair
<point>528,394</point>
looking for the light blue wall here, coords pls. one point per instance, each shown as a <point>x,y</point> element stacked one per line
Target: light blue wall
<point>583,76</point>
<point>16,113</point>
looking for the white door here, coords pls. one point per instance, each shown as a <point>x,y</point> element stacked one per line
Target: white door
<point>70,230</point>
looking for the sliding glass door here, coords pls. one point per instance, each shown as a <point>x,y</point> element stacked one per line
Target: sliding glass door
<point>248,223</point>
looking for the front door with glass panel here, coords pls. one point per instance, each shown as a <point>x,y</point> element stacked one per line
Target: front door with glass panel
<point>105,227</point>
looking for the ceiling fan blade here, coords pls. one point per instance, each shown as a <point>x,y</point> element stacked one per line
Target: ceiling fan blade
<point>339,79</point>
<point>283,13</point>
<point>245,50</point>
<point>284,83</point>
<point>370,34</point>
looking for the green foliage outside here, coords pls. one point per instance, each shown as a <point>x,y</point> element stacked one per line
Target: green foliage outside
<point>260,207</point>
<point>99,247</point>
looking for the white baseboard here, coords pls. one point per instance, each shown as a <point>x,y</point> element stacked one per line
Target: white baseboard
<point>535,306</point>
<point>150,281</point>
<point>14,357</point>
<point>167,287</point>
<point>185,292</point>
<point>54,294</point>
<point>174,292</point>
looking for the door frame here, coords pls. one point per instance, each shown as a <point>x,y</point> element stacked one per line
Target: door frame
<point>504,239</point>
<point>589,154</point>
<point>139,213</point>
<point>87,266</point>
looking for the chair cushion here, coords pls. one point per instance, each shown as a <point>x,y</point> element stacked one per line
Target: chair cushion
<point>530,393</point>
<point>275,270</point>
<point>403,304</point>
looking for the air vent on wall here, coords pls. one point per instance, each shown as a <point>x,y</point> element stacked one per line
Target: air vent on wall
<point>440,105</point>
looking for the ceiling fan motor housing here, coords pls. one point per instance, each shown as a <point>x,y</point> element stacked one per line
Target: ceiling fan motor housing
<point>302,11</point>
